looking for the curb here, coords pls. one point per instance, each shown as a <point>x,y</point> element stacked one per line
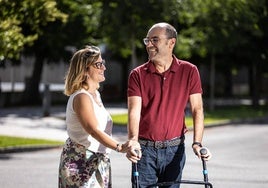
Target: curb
<point>259,120</point>
<point>28,148</point>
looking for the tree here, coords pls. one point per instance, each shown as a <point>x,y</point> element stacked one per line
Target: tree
<point>79,30</point>
<point>124,23</point>
<point>21,24</point>
<point>227,29</point>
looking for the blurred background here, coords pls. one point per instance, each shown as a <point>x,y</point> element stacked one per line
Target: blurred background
<point>227,40</point>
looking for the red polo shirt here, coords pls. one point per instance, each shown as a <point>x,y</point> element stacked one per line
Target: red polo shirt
<point>164,97</point>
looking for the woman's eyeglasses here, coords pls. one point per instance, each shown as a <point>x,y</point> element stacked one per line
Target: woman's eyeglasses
<point>99,64</point>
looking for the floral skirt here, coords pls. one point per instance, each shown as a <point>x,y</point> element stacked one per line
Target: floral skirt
<point>81,168</point>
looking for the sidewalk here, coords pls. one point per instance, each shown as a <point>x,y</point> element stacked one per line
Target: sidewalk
<point>29,122</point>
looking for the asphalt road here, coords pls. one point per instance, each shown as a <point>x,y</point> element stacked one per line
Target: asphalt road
<point>240,160</point>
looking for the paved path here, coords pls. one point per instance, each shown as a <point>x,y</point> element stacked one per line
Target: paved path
<point>239,161</point>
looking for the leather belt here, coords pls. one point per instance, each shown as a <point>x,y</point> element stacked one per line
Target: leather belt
<point>162,144</point>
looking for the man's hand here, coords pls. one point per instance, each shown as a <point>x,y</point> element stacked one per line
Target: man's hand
<point>134,151</point>
<point>205,156</point>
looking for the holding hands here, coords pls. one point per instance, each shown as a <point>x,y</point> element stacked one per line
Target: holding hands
<point>133,150</point>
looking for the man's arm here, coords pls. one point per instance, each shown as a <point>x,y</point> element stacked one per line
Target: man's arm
<point>196,104</point>
<point>134,111</point>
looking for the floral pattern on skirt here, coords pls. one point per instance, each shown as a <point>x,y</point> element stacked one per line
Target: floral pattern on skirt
<point>81,168</point>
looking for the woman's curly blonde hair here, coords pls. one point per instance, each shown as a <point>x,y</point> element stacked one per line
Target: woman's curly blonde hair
<point>75,78</point>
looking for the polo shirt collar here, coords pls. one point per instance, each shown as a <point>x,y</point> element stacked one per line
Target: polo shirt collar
<point>173,68</point>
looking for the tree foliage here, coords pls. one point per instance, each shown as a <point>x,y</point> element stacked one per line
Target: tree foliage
<point>21,24</point>
<point>124,23</point>
<point>234,32</point>
<point>59,40</point>
<point>223,26</point>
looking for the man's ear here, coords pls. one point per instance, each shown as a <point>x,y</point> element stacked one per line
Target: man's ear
<point>172,42</point>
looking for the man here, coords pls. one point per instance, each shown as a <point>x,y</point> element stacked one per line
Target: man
<point>158,92</point>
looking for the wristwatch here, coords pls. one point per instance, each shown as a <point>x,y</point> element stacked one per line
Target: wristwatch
<point>197,143</point>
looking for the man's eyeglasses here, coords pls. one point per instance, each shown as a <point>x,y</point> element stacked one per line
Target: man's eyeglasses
<point>153,40</point>
<point>99,64</point>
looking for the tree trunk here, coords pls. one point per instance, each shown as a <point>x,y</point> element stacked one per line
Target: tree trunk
<point>134,62</point>
<point>228,89</point>
<point>31,93</point>
<point>255,84</point>
<point>212,83</point>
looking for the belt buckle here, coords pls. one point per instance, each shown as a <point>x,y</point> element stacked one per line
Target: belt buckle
<point>157,144</point>
<point>160,144</point>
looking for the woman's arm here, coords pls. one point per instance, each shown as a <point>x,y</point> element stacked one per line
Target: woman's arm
<point>83,106</point>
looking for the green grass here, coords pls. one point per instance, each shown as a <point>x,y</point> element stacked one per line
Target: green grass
<point>219,115</point>
<point>120,119</point>
<point>9,141</point>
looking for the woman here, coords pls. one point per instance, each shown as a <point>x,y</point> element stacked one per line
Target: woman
<point>84,160</point>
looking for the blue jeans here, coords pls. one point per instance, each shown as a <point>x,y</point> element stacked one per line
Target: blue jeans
<point>159,165</point>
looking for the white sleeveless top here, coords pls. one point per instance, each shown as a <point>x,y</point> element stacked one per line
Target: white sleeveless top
<point>76,131</point>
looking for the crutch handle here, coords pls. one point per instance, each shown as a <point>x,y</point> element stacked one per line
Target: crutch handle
<point>203,151</point>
